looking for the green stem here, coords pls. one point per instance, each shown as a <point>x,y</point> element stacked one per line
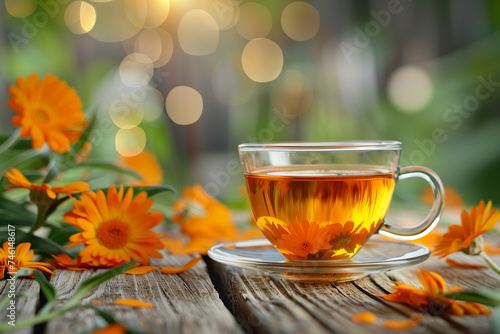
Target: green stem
<point>41,217</point>
<point>11,141</point>
<point>490,262</point>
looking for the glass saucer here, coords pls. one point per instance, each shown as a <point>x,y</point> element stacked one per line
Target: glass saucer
<point>375,256</point>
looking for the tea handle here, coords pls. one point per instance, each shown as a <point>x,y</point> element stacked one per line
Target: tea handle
<point>432,219</point>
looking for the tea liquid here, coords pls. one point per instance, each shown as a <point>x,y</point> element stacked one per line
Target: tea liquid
<point>346,206</point>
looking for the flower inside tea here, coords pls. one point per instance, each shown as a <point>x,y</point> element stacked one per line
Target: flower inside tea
<point>319,214</point>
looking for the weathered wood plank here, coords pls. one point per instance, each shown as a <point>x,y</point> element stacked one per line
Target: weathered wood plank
<point>183,303</point>
<point>265,304</point>
<point>25,306</point>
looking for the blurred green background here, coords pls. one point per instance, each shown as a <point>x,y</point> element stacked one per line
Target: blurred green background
<point>189,80</point>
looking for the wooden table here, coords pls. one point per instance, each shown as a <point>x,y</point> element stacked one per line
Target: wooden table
<point>214,298</point>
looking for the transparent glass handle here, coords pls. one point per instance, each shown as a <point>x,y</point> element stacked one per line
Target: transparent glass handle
<point>418,231</point>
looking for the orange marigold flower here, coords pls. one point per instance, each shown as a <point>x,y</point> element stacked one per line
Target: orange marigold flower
<point>14,259</point>
<point>48,111</point>
<point>64,261</point>
<point>303,240</point>
<point>113,328</point>
<point>462,237</point>
<point>43,194</point>
<point>147,166</point>
<point>347,236</point>
<point>115,227</point>
<point>199,215</point>
<point>272,228</point>
<point>431,297</point>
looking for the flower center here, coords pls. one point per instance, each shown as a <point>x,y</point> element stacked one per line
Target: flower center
<point>42,115</point>
<point>306,246</point>
<point>113,234</point>
<point>344,240</point>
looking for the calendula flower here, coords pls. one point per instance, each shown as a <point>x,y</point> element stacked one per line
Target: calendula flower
<point>347,236</point>
<point>431,297</point>
<point>272,228</point>
<point>48,111</point>
<point>115,227</point>
<point>11,260</point>
<point>303,240</point>
<point>199,215</point>
<point>64,261</point>
<point>43,194</point>
<point>466,237</point>
<point>147,166</point>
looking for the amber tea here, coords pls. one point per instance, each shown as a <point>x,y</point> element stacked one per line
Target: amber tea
<point>315,212</point>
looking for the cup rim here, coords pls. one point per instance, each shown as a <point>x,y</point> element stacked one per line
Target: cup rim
<point>348,145</point>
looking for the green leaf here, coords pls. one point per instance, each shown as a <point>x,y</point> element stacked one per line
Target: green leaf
<point>104,165</point>
<point>84,137</point>
<point>495,320</point>
<point>490,297</point>
<point>44,245</point>
<point>87,286</point>
<point>153,190</point>
<point>48,290</point>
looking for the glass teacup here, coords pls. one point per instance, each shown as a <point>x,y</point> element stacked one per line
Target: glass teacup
<point>324,200</point>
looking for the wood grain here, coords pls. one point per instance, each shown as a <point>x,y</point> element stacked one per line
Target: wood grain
<point>183,303</point>
<point>270,304</point>
<point>27,293</point>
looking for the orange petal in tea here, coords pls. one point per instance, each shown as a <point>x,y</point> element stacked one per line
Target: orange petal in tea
<point>347,236</point>
<point>364,317</point>
<point>303,240</point>
<point>272,228</point>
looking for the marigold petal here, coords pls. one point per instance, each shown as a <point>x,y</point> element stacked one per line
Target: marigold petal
<point>402,325</point>
<point>114,328</point>
<point>133,303</point>
<point>141,270</point>
<point>175,270</point>
<point>456,264</point>
<point>365,317</point>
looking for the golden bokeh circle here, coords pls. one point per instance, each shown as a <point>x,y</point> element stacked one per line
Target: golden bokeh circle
<point>80,17</point>
<point>184,105</point>
<point>130,142</point>
<point>300,21</point>
<point>136,70</point>
<point>255,21</point>
<point>262,60</point>
<point>198,33</point>
<point>20,8</point>
<point>410,88</point>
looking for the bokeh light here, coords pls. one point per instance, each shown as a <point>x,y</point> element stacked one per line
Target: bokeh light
<point>292,93</point>
<point>152,104</point>
<point>255,21</point>
<point>80,17</point>
<point>130,142</point>
<point>300,21</point>
<point>230,84</point>
<point>410,88</point>
<point>136,70</point>
<point>262,60</point>
<point>20,8</point>
<point>184,105</point>
<point>157,44</point>
<point>112,23</point>
<point>147,13</point>
<point>198,33</point>
<point>126,114</point>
